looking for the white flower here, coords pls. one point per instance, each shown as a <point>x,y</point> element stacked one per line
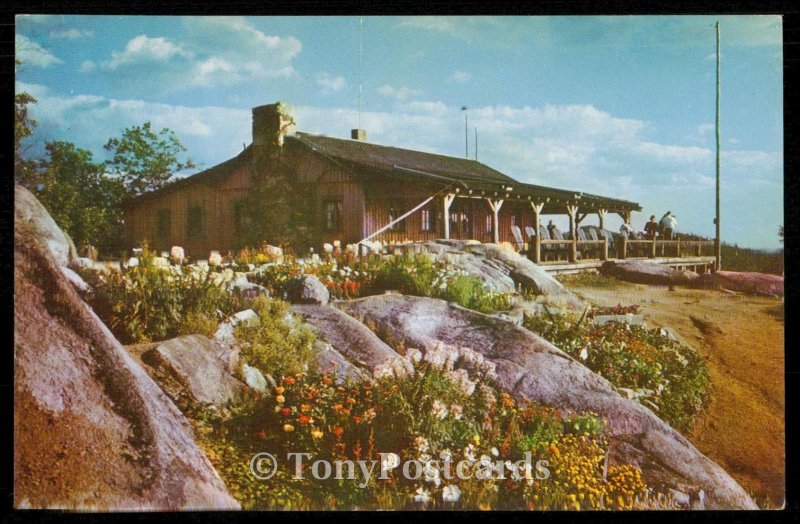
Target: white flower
<point>495,452</point>
<point>584,352</point>
<point>451,493</point>
<point>421,444</point>
<point>438,409</point>
<point>457,411</point>
<point>389,461</point>
<point>422,496</point>
<point>414,355</point>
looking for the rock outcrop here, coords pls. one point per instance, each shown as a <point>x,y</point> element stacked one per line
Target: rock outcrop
<point>189,370</point>
<point>28,211</point>
<point>92,431</point>
<point>743,282</point>
<point>307,290</point>
<point>530,367</point>
<point>647,272</point>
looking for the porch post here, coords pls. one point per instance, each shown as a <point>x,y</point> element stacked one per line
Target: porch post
<point>447,200</point>
<point>537,240</point>
<point>495,205</point>
<point>573,254</point>
<point>601,214</point>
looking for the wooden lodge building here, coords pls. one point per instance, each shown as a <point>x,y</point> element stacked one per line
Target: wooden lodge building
<point>359,189</point>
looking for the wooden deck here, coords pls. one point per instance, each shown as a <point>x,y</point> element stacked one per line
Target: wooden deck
<point>700,264</point>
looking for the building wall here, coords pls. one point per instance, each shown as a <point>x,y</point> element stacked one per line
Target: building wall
<point>365,209</point>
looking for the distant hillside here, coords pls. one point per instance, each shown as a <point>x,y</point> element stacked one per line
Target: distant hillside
<point>736,258</point>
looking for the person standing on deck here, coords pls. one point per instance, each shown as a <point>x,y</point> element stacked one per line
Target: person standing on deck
<point>627,229</point>
<point>651,228</point>
<point>669,225</point>
<point>550,228</point>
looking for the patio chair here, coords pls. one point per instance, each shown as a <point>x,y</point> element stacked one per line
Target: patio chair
<point>518,240</point>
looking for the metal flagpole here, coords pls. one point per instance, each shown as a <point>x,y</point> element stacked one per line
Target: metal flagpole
<point>718,240</point>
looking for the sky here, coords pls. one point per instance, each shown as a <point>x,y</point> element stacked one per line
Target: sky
<point>621,106</point>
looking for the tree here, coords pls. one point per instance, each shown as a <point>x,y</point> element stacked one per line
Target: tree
<point>144,160</point>
<point>23,128</point>
<point>82,199</point>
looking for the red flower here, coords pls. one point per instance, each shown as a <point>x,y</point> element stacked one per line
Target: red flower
<point>262,435</point>
<point>338,431</point>
<point>305,419</point>
<point>286,412</point>
<point>289,381</point>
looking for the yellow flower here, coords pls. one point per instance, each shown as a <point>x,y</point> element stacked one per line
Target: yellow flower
<point>280,399</point>
<point>476,439</point>
<point>288,428</point>
<point>279,390</point>
<point>316,433</point>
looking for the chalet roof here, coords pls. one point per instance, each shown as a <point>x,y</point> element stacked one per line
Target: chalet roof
<point>369,161</point>
<point>382,158</point>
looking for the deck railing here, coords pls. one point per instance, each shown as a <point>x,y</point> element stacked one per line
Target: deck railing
<point>623,248</point>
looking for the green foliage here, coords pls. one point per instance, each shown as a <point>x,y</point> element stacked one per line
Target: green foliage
<point>82,200</point>
<point>736,258</point>
<point>23,128</point>
<point>664,375</point>
<point>146,160</point>
<point>279,343</point>
<point>198,323</point>
<point>147,303</point>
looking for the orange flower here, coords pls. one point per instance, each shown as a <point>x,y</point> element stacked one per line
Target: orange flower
<point>304,407</point>
<point>289,381</point>
<point>279,390</point>
<point>327,380</point>
<point>338,407</point>
<point>554,450</point>
<point>305,420</point>
<point>262,435</point>
<point>351,400</point>
<point>338,431</point>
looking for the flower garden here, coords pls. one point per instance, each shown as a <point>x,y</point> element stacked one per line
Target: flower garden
<point>442,404</point>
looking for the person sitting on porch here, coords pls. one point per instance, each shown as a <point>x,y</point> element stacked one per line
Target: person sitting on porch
<point>669,224</point>
<point>626,229</point>
<point>550,228</point>
<point>651,228</point>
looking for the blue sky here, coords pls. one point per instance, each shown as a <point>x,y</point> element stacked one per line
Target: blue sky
<point>620,106</point>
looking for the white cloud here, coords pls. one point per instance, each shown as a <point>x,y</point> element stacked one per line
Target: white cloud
<point>142,49</point>
<point>462,77</point>
<point>71,34</point>
<point>31,53</point>
<point>87,66</point>
<point>400,93</point>
<point>331,83</point>
<point>217,51</point>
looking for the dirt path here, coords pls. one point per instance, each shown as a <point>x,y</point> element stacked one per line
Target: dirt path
<point>741,338</point>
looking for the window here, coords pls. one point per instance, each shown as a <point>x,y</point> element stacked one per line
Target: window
<point>333,214</point>
<point>489,220</point>
<point>396,211</point>
<point>194,222</point>
<point>428,220</point>
<point>163,226</point>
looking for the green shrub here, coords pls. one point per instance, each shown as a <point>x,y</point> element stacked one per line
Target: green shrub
<point>664,375</point>
<point>196,322</point>
<point>279,343</point>
<point>147,303</point>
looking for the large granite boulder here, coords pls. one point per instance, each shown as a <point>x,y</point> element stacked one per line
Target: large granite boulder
<point>92,431</point>
<point>189,370</point>
<point>307,290</point>
<point>348,337</point>
<point>29,212</point>
<point>647,272</point>
<point>743,282</point>
<point>530,367</point>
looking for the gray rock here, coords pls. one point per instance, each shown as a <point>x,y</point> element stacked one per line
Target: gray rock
<point>188,369</point>
<point>331,361</point>
<point>77,282</point>
<point>647,272</point>
<point>249,291</point>
<point>228,349</point>
<point>347,336</point>
<point>307,290</point>
<point>92,431</point>
<point>530,367</point>
<point>254,378</point>
<point>30,213</point>
<point>743,282</point>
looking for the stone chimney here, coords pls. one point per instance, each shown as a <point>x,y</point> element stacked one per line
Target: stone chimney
<point>271,123</point>
<point>359,134</point>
